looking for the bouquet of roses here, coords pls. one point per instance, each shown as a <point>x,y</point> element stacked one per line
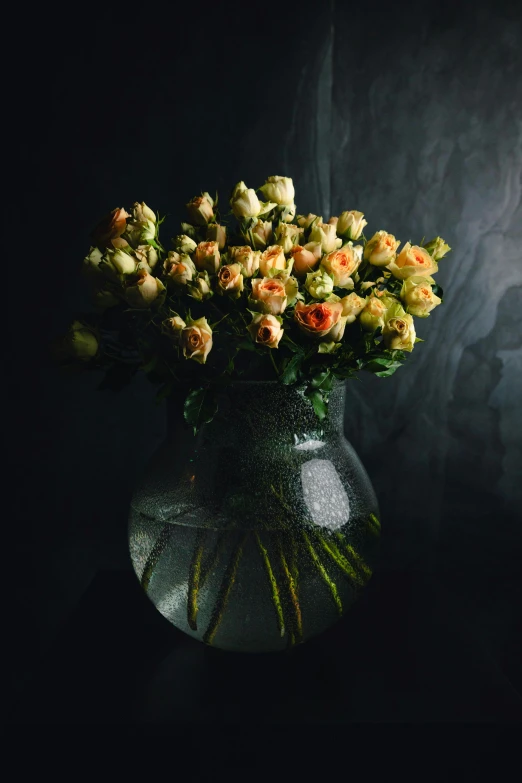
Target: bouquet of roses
<point>255,293</point>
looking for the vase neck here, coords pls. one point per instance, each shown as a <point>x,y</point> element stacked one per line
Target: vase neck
<point>250,410</point>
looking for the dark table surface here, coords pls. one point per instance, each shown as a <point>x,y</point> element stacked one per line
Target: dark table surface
<point>409,651</point>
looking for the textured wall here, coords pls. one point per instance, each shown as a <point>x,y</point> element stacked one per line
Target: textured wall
<point>412,114</point>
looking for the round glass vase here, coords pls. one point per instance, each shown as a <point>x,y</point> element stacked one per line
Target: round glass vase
<point>259,531</point>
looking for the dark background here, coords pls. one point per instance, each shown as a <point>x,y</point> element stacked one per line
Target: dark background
<point>409,112</point>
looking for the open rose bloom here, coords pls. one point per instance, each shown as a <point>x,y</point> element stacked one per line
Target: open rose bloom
<point>251,288</point>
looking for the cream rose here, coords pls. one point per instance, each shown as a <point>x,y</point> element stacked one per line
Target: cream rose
<point>207,257</point>
<point>181,269</point>
<point>141,212</point>
<point>272,258</point>
<point>147,257</point>
<point>352,306</point>
<point>230,280</point>
<point>317,320</point>
<point>337,331</point>
<point>268,295</point>
<point>217,233</point>
<point>341,264</point>
<point>413,260</point>
<point>350,224</point>
<point>305,221</point>
<point>201,209</point>
<point>319,284</point>
<point>174,327</point>
<point>109,230</point>
<point>399,333</point>
<point>122,262</point>
<point>287,235</point>
<point>184,244</point>
<point>374,313</point>
<point>145,291</point>
<point>266,330</point>
<point>261,234</point>
<point>248,258</point>
<point>418,296</point>
<point>279,190</point>
<point>287,213</point>
<point>325,234</point>
<point>200,288</point>
<point>196,340</point>
<point>381,249</point>
<point>245,203</point>
<point>306,257</point>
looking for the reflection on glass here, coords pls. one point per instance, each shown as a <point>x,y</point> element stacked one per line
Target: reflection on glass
<point>324,494</point>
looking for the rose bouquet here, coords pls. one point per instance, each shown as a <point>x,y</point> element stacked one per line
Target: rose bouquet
<point>253,292</point>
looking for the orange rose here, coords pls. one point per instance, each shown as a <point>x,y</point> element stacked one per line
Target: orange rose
<point>268,295</point>
<point>266,330</point>
<point>413,260</point>
<point>109,230</point>
<point>342,263</point>
<point>305,258</point>
<point>272,258</point>
<point>316,320</point>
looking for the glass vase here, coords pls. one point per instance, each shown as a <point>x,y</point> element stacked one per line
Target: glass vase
<point>259,531</point>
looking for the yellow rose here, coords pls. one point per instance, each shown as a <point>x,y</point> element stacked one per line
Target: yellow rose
<point>319,284</point>
<point>351,224</point>
<point>201,209</point>
<point>184,244</point>
<point>337,331</point>
<point>437,248</point>
<point>305,221</point>
<point>352,306</point>
<point>218,234</point>
<point>413,260</point>
<point>341,264</point>
<point>196,340</point>
<point>266,330</point>
<point>147,257</point>
<point>261,234</point>
<point>268,295</point>
<point>280,190</point>
<point>145,291</point>
<point>418,296</point>
<point>248,258</point>
<point>200,288</point>
<point>326,234</point>
<point>141,212</point>
<point>287,235</point>
<point>272,258</point>
<point>373,315</point>
<point>123,263</point>
<point>207,257</point>
<point>245,203</point>
<point>381,249</point>
<point>230,280</point>
<point>399,333</point>
<point>306,257</point>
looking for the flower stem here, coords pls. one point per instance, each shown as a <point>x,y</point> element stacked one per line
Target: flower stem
<point>339,559</point>
<point>374,524</point>
<point>296,633</point>
<point>194,582</point>
<point>224,593</point>
<point>322,570</point>
<point>356,558</point>
<point>273,584</point>
<point>154,556</point>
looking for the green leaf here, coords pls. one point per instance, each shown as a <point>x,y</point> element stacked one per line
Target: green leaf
<point>200,408</point>
<point>291,370</point>
<point>323,380</point>
<point>317,400</point>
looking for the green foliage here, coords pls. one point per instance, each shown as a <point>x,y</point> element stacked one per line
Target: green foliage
<point>200,408</point>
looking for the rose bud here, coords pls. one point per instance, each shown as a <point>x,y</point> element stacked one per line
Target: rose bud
<point>173,327</point>
<point>196,340</point>
<point>201,210</point>
<point>305,221</point>
<point>352,306</point>
<point>418,296</point>
<point>218,234</point>
<point>184,244</point>
<point>288,213</point>
<point>413,260</point>
<point>268,295</point>
<point>109,230</point>
<point>337,331</point>
<point>381,249</point>
<point>230,280</point>
<point>319,284</point>
<point>333,221</point>
<point>207,257</point>
<point>341,264</point>
<point>287,235</point>
<point>180,270</point>
<point>147,257</point>
<point>141,213</point>
<point>351,224</point>
<point>375,311</point>
<point>200,287</point>
<point>318,319</point>
<point>399,333</point>
<point>80,342</point>
<point>145,291</point>
<point>306,257</point>
<point>261,233</point>
<point>246,257</point>
<point>279,190</point>
<point>245,203</point>
<point>265,329</point>
<point>437,248</point>
<point>121,262</point>
<point>326,235</point>
<point>272,258</point>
